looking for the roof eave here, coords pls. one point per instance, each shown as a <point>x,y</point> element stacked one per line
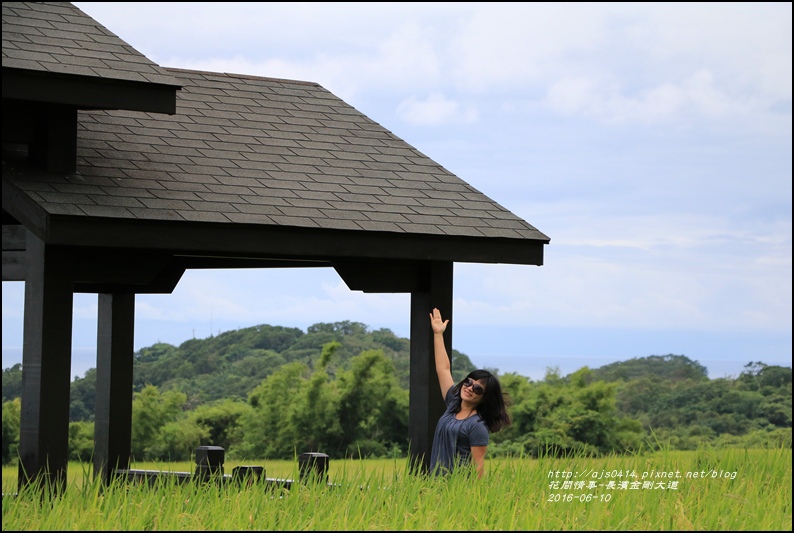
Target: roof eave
<point>214,239</point>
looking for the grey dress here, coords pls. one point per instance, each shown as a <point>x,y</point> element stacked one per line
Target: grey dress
<point>454,438</point>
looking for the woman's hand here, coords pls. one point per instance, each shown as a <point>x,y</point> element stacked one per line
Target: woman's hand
<point>438,325</point>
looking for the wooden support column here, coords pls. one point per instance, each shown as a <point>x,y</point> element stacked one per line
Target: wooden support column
<point>46,365</point>
<point>425,404</point>
<point>113,418</point>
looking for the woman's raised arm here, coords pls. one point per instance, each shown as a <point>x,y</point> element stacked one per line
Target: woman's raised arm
<point>443,368</point>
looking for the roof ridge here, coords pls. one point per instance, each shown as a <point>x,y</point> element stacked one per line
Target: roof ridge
<point>242,76</point>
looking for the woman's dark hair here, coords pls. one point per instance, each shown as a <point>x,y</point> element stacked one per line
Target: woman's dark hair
<point>493,407</point>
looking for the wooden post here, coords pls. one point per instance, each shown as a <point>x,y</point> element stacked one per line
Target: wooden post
<point>313,466</point>
<point>113,418</point>
<point>425,404</point>
<point>46,366</point>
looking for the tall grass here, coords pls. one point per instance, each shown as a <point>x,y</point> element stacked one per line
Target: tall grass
<point>515,494</point>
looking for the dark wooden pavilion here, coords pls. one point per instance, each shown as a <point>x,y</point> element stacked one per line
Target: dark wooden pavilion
<point>119,174</point>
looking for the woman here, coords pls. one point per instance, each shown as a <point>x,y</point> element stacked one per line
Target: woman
<point>476,407</point>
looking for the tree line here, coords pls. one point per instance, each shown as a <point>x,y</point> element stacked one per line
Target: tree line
<point>267,392</point>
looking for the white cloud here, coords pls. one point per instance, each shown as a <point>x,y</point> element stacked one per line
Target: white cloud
<point>615,62</point>
<point>522,44</point>
<point>435,110</point>
<point>574,289</point>
<point>696,97</point>
<point>270,296</point>
<point>633,270</point>
<point>747,45</point>
<point>85,307</point>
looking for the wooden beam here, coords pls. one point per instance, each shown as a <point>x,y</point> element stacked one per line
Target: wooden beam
<point>88,92</point>
<point>287,242</point>
<point>425,403</point>
<point>23,209</point>
<point>46,367</point>
<point>147,272</point>
<point>383,276</point>
<point>118,266</point>
<point>113,417</point>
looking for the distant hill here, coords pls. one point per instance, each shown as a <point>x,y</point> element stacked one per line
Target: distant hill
<point>232,363</point>
<point>662,367</point>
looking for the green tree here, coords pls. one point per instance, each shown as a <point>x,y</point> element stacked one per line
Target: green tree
<point>220,422</point>
<point>522,412</point>
<point>11,410</point>
<point>345,328</point>
<point>151,411</point>
<point>568,415</point>
<point>294,410</point>
<point>368,393</point>
<point>81,441</point>
<point>775,409</point>
<point>315,416</point>
<point>177,440</point>
<point>12,382</point>
<point>82,397</point>
<point>268,432</point>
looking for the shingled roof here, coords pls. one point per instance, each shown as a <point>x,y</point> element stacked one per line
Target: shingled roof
<point>239,150</point>
<point>263,151</point>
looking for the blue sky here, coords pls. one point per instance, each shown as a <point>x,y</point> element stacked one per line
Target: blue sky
<point>650,141</point>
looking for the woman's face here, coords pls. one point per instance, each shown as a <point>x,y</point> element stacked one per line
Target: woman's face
<point>472,390</point>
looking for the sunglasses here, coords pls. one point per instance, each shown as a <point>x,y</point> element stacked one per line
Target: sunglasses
<point>476,388</point>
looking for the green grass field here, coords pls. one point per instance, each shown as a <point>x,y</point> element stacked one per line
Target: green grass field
<point>729,489</point>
